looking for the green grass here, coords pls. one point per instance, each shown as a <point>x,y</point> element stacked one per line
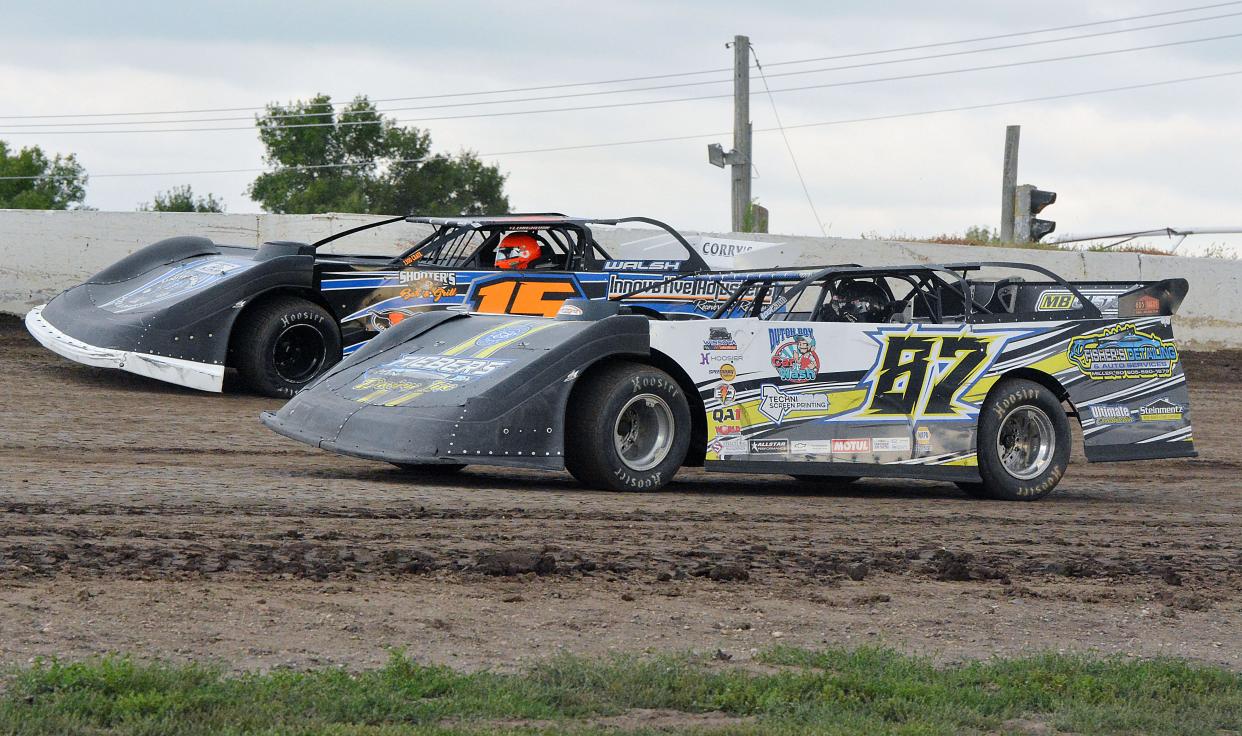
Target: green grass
<point>835,691</point>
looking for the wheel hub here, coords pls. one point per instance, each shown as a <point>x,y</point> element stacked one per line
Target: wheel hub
<point>1025,442</point>
<point>299,353</point>
<point>643,433</point>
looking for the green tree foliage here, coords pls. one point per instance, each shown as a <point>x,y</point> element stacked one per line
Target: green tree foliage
<point>378,166</point>
<point>62,182</point>
<point>182,199</point>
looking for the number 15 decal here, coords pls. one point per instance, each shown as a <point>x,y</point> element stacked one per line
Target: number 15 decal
<point>515,295</point>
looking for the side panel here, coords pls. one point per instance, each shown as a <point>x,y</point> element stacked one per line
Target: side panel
<point>368,298</point>
<point>828,397</point>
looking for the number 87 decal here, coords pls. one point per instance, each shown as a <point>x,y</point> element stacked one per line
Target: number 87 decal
<point>515,295</point>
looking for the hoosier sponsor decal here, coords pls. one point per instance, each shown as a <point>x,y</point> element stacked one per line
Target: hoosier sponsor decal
<point>1123,351</point>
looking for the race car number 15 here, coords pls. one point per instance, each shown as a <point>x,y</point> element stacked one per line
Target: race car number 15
<point>534,298</point>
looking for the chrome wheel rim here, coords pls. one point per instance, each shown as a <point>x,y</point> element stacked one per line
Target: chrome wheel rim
<point>299,353</point>
<point>1025,442</point>
<point>643,432</point>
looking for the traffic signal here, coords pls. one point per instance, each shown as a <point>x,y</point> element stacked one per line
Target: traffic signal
<point>1039,200</point>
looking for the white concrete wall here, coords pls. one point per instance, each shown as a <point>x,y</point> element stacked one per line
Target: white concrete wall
<point>44,252</point>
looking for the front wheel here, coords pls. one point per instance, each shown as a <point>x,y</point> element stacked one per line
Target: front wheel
<point>283,344</point>
<point>1023,442</point>
<point>627,428</point>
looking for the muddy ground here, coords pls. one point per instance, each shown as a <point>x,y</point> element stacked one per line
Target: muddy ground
<point>143,518</point>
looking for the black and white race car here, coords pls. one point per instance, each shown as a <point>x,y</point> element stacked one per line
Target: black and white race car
<point>184,309</point>
<point>965,372</point>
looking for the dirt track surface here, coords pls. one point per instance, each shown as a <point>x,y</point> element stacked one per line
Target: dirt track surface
<point>148,519</point>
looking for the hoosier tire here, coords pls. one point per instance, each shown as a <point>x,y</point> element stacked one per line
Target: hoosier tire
<point>283,344</point>
<point>1023,442</point>
<point>627,428</point>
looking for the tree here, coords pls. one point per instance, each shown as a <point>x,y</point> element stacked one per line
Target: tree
<point>370,164</point>
<point>61,182</point>
<point>182,199</point>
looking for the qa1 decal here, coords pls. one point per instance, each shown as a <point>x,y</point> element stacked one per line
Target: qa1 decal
<point>793,353</point>
<point>923,373</point>
<point>1123,351</point>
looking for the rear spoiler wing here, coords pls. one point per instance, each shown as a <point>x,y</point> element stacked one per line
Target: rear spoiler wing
<point>1159,298</point>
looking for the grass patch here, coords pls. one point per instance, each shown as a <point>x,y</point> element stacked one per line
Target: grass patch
<point>831,692</point>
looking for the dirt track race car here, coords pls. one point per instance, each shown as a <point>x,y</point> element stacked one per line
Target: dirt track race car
<point>964,377</point>
<point>184,309</point>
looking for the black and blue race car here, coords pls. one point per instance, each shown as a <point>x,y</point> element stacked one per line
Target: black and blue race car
<point>184,309</point>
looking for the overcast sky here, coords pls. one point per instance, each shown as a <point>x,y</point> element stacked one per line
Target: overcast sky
<point>1150,157</point>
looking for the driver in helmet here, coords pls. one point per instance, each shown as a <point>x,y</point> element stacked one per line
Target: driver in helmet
<point>517,251</point>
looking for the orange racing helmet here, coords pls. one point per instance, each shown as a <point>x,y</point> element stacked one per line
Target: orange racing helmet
<point>517,251</point>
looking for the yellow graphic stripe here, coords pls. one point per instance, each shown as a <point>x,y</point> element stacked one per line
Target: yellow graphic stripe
<point>469,343</point>
<point>492,349</point>
<point>970,460</point>
<point>404,398</point>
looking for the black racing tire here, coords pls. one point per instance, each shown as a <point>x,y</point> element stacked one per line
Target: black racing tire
<point>1026,422</point>
<point>627,428</point>
<point>284,343</point>
<point>434,469</point>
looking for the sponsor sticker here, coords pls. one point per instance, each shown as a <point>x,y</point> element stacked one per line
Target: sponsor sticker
<point>769,447</point>
<point>1111,414</point>
<point>890,444</point>
<point>776,404</point>
<point>793,353</point>
<point>1146,306</point>
<point>183,279</point>
<point>725,394</point>
<point>732,446</point>
<point>719,338</point>
<point>725,430</point>
<point>569,310</point>
<point>444,278</point>
<point>1161,410</point>
<point>726,414</point>
<point>922,436</point>
<point>447,367</point>
<point>810,447</point>
<point>728,372</point>
<point>504,334</point>
<point>851,446</point>
<point>1123,351</point>
<point>642,265</point>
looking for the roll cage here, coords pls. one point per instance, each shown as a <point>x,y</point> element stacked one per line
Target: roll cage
<point>938,293</point>
<point>465,241</point>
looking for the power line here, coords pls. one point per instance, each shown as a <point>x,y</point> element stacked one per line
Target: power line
<point>920,75</point>
<point>696,136</point>
<point>788,146</point>
<point>681,85</point>
<point>673,75</point>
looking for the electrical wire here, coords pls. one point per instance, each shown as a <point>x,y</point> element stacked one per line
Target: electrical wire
<point>332,111</point>
<point>788,147</point>
<point>509,113</point>
<point>696,136</point>
<point>567,85</point>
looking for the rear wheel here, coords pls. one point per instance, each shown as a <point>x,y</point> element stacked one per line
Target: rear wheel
<point>1023,442</point>
<point>627,429</point>
<point>283,344</point>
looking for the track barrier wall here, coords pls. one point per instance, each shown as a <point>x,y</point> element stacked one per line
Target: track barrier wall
<point>44,252</point>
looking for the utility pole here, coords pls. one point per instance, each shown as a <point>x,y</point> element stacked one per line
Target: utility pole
<point>738,158</point>
<point>1009,183</point>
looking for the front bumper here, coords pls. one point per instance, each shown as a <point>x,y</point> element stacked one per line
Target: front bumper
<point>189,373</point>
